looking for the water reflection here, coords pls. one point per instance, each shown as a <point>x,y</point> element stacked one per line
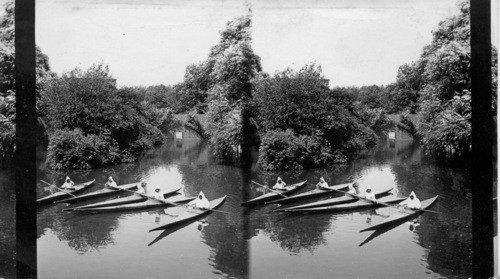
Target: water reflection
<point>256,241</point>
<point>7,224</point>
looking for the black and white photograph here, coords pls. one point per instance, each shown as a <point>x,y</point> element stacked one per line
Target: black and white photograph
<point>251,139</point>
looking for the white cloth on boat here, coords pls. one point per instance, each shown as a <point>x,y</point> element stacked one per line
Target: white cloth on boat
<point>111,183</point>
<point>200,202</point>
<point>412,201</point>
<point>280,184</point>
<point>322,184</point>
<point>68,183</point>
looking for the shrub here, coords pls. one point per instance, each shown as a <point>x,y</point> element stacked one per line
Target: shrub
<point>71,149</point>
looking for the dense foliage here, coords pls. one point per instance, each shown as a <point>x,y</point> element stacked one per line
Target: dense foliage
<point>92,123</point>
<point>301,119</point>
<point>7,83</point>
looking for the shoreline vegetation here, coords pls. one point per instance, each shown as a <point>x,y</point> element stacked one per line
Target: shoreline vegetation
<point>293,116</point>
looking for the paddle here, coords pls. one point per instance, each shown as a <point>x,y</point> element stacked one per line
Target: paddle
<point>58,188</point>
<point>274,191</point>
<point>163,201</point>
<point>383,203</point>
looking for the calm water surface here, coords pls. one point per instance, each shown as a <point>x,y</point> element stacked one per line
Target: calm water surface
<point>255,242</point>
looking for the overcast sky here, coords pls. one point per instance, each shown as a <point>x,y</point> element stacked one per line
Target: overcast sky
<point>151,42</point>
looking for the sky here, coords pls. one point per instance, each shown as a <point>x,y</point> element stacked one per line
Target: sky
<point>149,42</point>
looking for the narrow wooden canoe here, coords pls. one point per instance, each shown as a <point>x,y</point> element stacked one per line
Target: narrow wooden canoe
<point>333,201</point>
<point>125,200</point>
<point>101,193</point>
<point>310,194</point>
<point>273,195</point>
<point>191,214</point>
<point>150,203</point>
<point>359,204</point>
<point>62,195</point>
<point>402,215</point>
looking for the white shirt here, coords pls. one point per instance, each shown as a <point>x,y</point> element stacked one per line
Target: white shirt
<point>415,203</point>
<point>201,204</point>
<point>158,196</point>
<point>352,191</point>
<point>140,190</point>
<point>279,186</point>
<point>370,196</point>
<point>111,184</point>
<point>69,184</point>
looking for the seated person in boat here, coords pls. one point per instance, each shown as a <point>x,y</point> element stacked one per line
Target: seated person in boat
<point>201,202</point>
<point>280,184</point>
<point>353,189</point>
<point>111,183</point>
<point>369,194</point>
<point>322,185</point>
<point>141,188</point>
<point>68,184</point>
<point>158,194</point>
<point>412,202</point>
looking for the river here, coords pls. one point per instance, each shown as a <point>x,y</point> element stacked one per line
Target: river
<point>256,242</point>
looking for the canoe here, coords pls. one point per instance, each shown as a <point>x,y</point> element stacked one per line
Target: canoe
<point>191,214</point>
<point>310,194</point>
<point>273,195</point>
<point>62,195</point>
<point>125,200</point>
<point>347,198</point>
<point>101,193</point>
<point>150,203</point>
<point>359,204</point>
<point>402,215</point>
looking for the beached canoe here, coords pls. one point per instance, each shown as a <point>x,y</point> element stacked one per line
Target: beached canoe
<point>402,215</point>
<point>62,195</point>
<point>359,204</point>
<point>347,198</point>
<point>101,193</point>
<point>125,200</point>
<point>310,194</point>
<point>150,203</point>
<point>274,195</point>
<point>190,214</point>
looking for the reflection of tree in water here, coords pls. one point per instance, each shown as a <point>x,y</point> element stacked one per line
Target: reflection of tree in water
<point>7,225</point>
<point>229,253</point>
<point>82,232</point>
<point>448,236</point>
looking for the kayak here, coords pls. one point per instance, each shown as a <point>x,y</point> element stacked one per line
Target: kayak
<point>402,215</point>
<point>359,204</point>
<point>274,195</point>
<point>125,200</point>
<point>191,214</point>
<point>347,198</point>
<point>150,203</point>
<point>100,193</point>
<point>310,194</point>
<point>62,195</point>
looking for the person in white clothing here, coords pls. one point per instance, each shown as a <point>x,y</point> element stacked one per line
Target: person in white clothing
<point>141,188</point>
<point>158,194</point>
<point>369,194</point>
<point>111,183</point>
<point>353,189</point>
<point>68,184</point>
<point>280,184</point>
<point>201,202</point>
<point>322,184</point>
<point>412,202</point>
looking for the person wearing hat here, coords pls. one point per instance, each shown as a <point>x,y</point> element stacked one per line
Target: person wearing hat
<point>353,189</point>
<point>322,185</point>
<point>412,202</point>
<point>158,194</point>
<point>68,184</point>
<point>369,194</point>
<point>201,202</point>
<point>280,184</point>
<point>141,188</point>
<point>111,183</point>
